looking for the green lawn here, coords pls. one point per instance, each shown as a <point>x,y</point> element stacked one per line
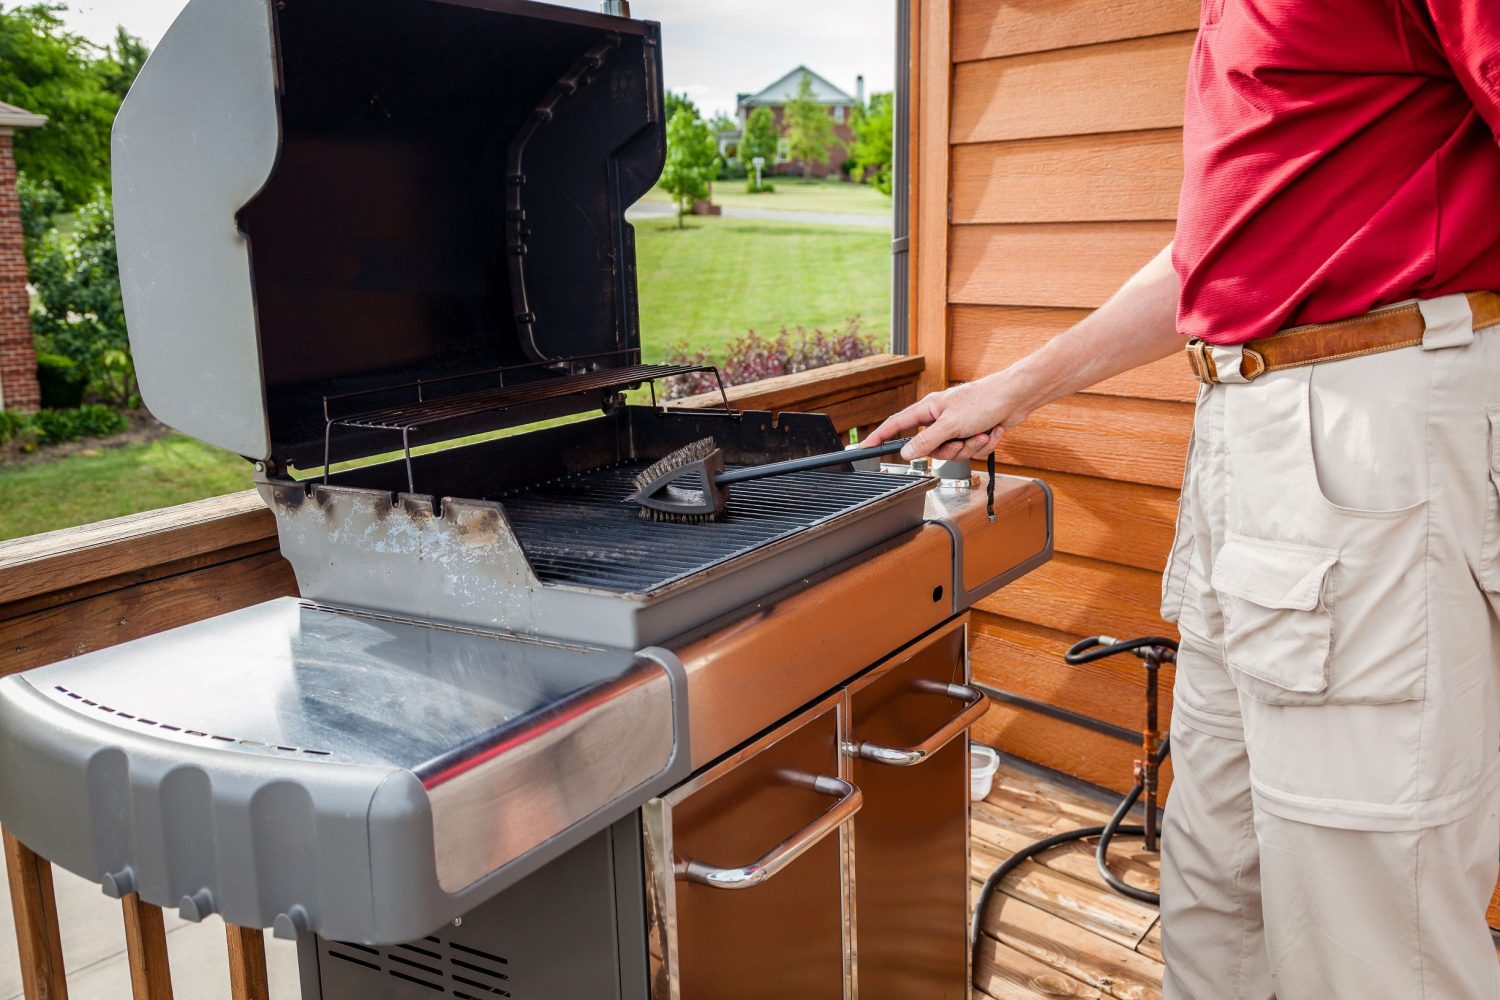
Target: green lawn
<point>704,285</point>
<point>113,482</point>
<point>795,195</point>
<point>709,283</point>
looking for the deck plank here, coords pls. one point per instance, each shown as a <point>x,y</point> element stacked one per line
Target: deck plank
<point>1055,929</point>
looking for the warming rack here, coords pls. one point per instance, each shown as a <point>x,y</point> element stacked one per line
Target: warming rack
<point>422,412</point>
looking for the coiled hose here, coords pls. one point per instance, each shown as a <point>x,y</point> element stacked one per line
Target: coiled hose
<point>1154,650</point>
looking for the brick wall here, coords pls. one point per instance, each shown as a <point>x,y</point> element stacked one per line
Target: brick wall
<point>17,356</point>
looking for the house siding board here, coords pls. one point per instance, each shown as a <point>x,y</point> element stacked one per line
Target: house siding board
<point>987,338</point>
<point>985,29</point>
<point>1125,176</point>
<point>1063,147</point>
<point>1120,86</point>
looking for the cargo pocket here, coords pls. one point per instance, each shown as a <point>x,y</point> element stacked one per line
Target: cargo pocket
<point>1489,567</point>
<point>1278,629</point>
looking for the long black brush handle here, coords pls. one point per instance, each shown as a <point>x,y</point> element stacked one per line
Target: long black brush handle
<point>806,464</point>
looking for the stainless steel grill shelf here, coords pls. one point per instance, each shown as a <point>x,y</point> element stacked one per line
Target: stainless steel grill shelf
<point>576,530</point>
<point>453,399</point>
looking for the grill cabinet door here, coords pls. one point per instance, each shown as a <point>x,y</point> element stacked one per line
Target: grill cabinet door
<point>910,753</point>
<point>731,917</point>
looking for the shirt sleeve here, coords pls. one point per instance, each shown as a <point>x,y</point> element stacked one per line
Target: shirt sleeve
<point>1469,33</point>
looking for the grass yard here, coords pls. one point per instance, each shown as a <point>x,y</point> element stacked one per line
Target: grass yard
<point>712,281</point>
<point>704,285</point>
<point>793,194</point>
<point>112,482</point>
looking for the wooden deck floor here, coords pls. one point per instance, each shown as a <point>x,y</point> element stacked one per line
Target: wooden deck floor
<point>1056,930</point>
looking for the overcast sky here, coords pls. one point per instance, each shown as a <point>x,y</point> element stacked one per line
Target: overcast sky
<point>712,49</point>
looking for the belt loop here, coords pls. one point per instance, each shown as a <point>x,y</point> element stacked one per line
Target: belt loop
<point>1450,322</point>
<point>1227,363</point>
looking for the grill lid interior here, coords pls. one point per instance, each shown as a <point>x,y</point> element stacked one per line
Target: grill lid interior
<point>443,193</point>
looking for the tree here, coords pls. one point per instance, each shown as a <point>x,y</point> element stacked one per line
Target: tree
<point>78,86</point>
<point>81,316</point>
<point>809,129</point>
<point>677,102</point>
<point>874,142</point>
<point>761,137</point>
<point>127,55</point>
<point>40,201</point>
<point>692,160</point>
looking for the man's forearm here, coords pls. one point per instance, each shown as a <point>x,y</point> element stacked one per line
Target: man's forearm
<point>1136,326</point>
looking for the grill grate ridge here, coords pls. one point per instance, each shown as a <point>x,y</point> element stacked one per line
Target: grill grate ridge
<point>579,530</point>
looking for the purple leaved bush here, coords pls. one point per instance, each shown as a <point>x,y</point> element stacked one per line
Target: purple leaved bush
<point>753,357</point>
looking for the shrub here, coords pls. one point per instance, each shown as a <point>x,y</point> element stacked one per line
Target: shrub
<point>753,357</point>
<point>12,424</point>
<point>59,426</point>
<point>81,316</point>
<point>764,187</point>
<point>61,382</point>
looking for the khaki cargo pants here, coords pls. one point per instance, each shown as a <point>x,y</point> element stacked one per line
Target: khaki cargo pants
<point>1334,824</point>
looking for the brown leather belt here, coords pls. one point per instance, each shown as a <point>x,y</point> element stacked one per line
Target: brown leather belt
<point>1372,333</point>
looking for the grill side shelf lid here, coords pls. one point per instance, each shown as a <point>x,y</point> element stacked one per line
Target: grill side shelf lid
<point>291,767</point>
<point>315,199</point>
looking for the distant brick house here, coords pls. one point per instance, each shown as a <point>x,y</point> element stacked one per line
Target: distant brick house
<point>18,388</point>
<point>840,104</point>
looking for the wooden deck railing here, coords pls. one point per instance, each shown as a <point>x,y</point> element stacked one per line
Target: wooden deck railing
<point>69,592</point>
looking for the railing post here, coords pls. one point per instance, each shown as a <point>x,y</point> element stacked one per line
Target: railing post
<point>43,976</point>
<point>247,964</point>
<point>146,947</point>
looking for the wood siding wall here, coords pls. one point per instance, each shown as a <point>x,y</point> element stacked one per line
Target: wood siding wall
<point>1061,155</point>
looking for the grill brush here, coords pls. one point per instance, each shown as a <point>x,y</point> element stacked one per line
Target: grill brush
<point>690,485</point>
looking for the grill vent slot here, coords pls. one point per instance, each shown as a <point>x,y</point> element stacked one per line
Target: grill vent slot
<point>432,965</point>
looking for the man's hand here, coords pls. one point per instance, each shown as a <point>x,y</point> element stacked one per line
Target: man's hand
<point>966,421</point>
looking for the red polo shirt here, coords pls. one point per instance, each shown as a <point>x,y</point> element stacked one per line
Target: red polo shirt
<point>1340,155</point>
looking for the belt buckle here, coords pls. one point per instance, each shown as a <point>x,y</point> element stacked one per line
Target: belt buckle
<point>1201,361</point>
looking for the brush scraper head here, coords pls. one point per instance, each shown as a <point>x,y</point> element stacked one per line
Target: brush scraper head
<point>681,488</point>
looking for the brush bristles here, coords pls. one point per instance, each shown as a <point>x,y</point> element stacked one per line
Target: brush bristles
<point>695,452</point>
<point>659,480</point>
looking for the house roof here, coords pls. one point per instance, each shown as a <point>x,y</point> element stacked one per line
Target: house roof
<point>785,89</point>
<point>14,117</point>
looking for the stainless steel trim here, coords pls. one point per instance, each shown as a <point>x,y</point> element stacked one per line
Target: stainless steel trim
<point>846,849</point>
<point>976,703</point>
<point>748,876</point>
<point>606,741</point>
<point>661,901</point>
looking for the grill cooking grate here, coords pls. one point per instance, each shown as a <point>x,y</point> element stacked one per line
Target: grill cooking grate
<point>578,530</point>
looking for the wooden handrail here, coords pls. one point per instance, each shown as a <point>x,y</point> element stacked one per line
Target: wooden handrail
<point>853,393</point>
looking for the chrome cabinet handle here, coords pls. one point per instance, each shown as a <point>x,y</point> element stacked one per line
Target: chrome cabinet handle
<point>975,703</point>
<point>849,798</point>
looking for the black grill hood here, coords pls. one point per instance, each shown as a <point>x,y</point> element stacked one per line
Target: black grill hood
<point>446,194</point>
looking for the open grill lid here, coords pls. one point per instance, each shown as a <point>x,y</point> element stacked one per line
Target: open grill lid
<point>321,203</point>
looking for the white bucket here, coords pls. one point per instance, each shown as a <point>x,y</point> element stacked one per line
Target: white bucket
<point>983,763</point>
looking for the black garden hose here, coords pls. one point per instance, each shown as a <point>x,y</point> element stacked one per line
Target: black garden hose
<point>1155,650</point>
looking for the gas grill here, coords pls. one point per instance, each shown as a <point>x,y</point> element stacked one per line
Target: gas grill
<point>511,739</point>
